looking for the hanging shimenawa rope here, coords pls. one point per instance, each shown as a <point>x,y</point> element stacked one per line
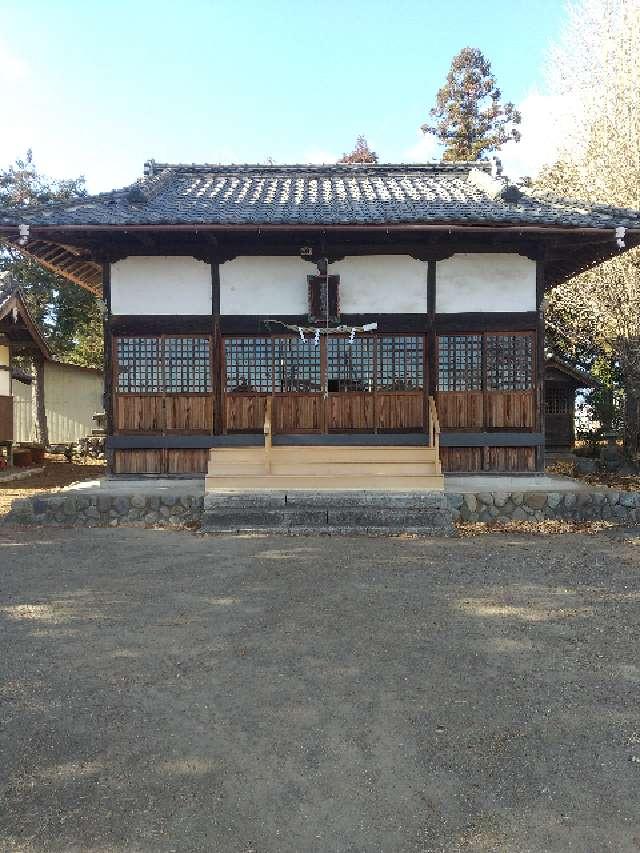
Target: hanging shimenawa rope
<point>316,331</point>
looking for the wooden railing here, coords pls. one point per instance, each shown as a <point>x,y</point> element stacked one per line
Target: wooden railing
<point>268,433</point>
<point>434,430</point>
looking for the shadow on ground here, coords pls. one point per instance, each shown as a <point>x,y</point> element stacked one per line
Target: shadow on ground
<point>166,691</point>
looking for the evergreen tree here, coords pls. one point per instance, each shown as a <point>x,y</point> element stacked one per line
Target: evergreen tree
<point>68,315</point>
<point>360,154</point>
<point>470,119</point>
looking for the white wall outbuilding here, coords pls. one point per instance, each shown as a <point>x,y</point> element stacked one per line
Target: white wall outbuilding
<point>72,394</point>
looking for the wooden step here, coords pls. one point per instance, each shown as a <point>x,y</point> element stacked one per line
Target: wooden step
<point>325,453</point>
<point>333,469</point>
<point>433,482</point>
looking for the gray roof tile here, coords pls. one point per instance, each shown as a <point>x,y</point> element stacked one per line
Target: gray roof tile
<point>316,195</point>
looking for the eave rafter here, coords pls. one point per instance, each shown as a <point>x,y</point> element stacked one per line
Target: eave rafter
<point>77,252</point>
<point>67,261</point>
<point>576,259</point>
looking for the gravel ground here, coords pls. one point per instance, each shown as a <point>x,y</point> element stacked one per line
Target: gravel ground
<point>173,692</point>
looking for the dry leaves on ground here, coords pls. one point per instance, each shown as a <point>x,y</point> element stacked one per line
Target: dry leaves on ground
<point>542,528</point>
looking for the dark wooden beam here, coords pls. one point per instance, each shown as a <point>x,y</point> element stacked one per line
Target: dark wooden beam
<point>134,324</point>
<point>217,361</point>
<point>451,438</point>
<point>41,414</point>
<point>493,321</point>
<point>452,227</point>
<point>447,439</point>
<point>432,351</point>
<point>539,355</point>
<point>108,364</point>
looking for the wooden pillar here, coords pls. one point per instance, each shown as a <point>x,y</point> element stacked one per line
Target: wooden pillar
<point>539,356</point>
<point>41,414</point>
<point>217,349</point>
<point>432,350</point>
<point>108,360</point>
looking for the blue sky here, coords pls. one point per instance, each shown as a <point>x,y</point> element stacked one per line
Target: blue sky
<point>97,87</point>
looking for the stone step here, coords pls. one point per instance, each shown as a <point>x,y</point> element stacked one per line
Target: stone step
<point>333,512</point>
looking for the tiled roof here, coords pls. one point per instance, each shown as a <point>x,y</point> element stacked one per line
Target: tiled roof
<point>11,299</point>
<point>321,195</point>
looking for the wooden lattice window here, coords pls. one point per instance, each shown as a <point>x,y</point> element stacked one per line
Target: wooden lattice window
<point>324,299</point>
<point>248,364</point>
<point>187,365</point>
<point>509,362</point>
<point>400,363</point>
<point>156,365</point>
<point>460,363</point>
<point>297,365</point>
<point>557,401</point>
<point>350,365</point>
<point>139,365</point>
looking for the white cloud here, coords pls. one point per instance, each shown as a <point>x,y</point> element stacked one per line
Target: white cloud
<point>426,148</point>
<point>545,127</point>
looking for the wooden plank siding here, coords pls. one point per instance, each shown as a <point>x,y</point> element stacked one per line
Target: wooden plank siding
<point>470,460</point>
<point>6,418</point>
<point>244,412</point>
<point>461,459</point>
<point>460,409</point>
<point>351,412</point>
<point>138,413</point>
<point>189,413</point>
<point>162,413</point>
<point>139,461</point>
<point>477,410</point>
<point>165,461</point>
<point>399,411</point>
<point>509,459</point>
<point>296,412</point>
<point>510,409</point>
<point>187,461</point>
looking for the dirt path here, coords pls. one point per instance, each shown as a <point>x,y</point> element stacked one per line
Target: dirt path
<point>55,476</point>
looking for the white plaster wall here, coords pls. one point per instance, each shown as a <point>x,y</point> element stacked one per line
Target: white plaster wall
<point>382,284</point>
<point>160,285</point>
<point>470,282</point>
<point>265,285</point>
<point>5,376</point>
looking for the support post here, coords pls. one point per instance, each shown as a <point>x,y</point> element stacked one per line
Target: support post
<point>268,430</point>
<point>41,414</point>
<point>539,355</point>
<point>216,349</point>
<point>108,359</point>
<point>432,350</point>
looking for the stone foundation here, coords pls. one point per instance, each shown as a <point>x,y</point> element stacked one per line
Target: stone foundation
<point>605,505</point>
<point>427,513</point>
<point>135,510</point>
